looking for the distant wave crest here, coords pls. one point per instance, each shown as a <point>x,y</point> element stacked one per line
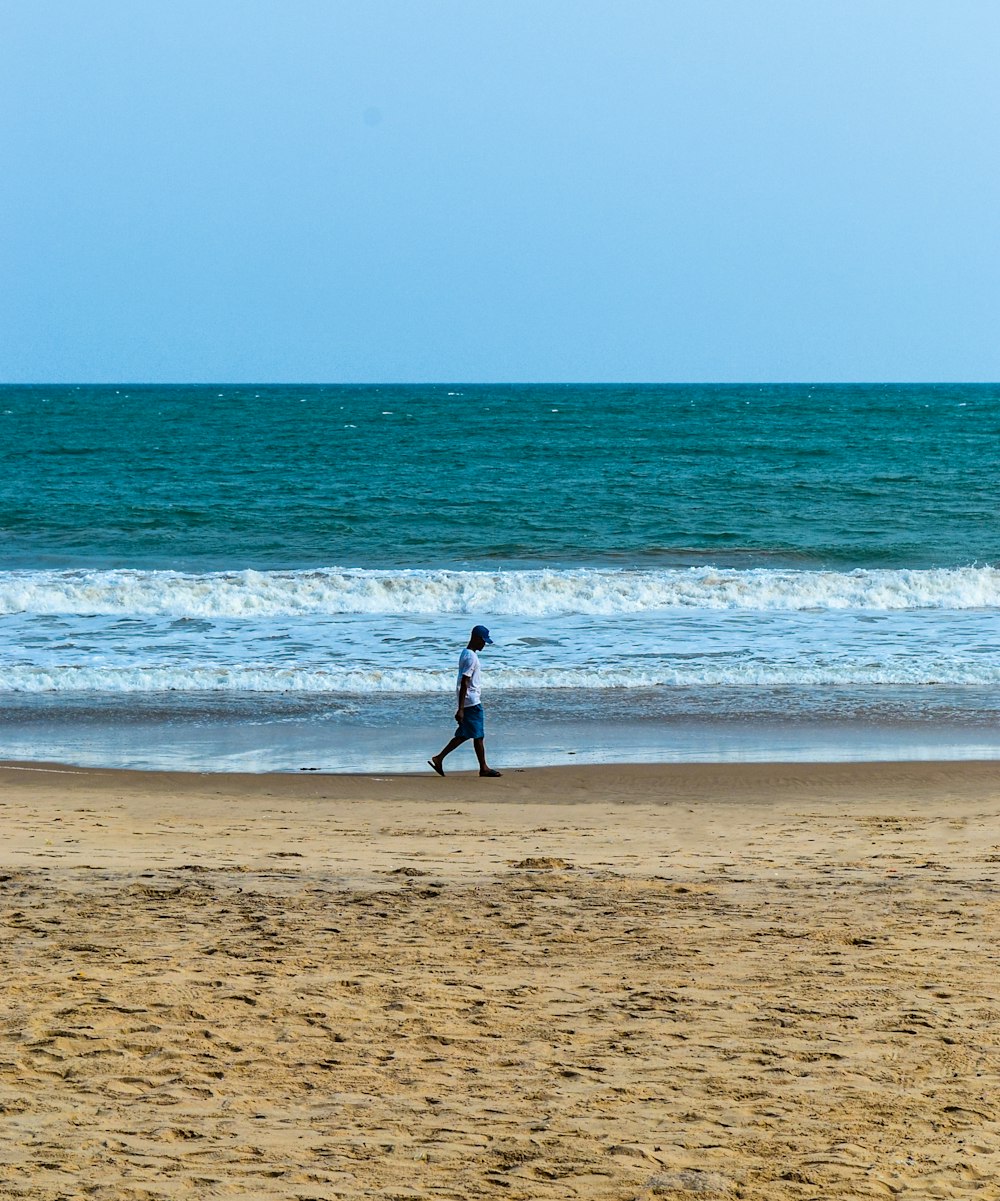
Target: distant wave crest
<point>535,593</point>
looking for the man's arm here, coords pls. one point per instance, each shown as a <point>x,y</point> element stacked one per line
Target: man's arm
<point>463,689</point>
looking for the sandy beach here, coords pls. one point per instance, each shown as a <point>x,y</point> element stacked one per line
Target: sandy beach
<point>694,981</point>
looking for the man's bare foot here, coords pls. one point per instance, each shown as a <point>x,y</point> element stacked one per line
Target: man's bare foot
<point>436,764</point>
<point>488,771</point>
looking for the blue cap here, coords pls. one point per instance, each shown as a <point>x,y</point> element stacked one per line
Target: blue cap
<point>483,633</point>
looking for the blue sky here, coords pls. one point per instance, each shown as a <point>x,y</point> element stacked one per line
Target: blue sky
<point>355,190</point>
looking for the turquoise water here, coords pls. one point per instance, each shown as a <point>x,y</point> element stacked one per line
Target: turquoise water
<point>430,476</point>
<point>246,576</point>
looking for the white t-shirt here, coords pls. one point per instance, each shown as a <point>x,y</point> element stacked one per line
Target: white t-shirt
<point>468,665</point>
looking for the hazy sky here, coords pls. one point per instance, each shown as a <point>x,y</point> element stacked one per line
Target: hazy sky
<point>350,190</point>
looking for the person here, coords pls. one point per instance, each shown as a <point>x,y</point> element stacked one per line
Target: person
<point>469,714</point>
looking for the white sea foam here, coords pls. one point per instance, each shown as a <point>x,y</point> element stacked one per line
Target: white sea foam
<point>536,593</point>
<point>235,678</point>
<point>372,633</point>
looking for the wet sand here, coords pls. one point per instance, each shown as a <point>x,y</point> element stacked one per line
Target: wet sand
<point>692,981</point>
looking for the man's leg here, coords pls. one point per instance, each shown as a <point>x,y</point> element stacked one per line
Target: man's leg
<point>436,760</point>
<point>484,767</point>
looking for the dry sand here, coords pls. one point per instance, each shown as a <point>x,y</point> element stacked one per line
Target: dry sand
<point>610,983</point>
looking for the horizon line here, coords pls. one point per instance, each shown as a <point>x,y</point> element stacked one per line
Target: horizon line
<point>499,383</point>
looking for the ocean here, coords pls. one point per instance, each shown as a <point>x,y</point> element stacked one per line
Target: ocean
<point>281,577</point>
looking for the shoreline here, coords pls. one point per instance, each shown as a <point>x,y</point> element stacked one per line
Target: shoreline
<point>331,746</point>
<point>723,783</point>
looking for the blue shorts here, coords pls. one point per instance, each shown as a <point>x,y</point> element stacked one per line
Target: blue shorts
<point>473,724</point>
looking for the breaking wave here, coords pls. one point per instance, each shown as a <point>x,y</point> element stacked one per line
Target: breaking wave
<point>367,681</point>
<point>535,593</point>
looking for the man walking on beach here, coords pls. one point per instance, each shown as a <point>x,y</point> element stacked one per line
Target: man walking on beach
<point>469,714</point>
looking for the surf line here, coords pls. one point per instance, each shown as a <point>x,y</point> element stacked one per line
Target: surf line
<point>56,771</point>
